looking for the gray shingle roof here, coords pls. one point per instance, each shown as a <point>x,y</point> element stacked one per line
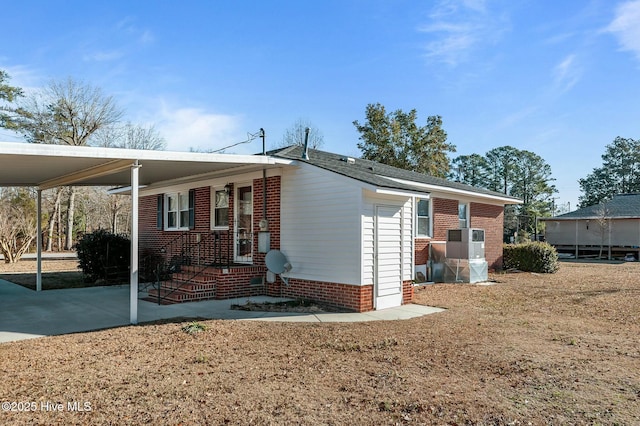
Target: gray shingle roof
<point>374,173</point>
<point>620,206</point>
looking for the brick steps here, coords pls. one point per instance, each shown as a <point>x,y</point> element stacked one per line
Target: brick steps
<point>211,283</point>
<point>180,296</point>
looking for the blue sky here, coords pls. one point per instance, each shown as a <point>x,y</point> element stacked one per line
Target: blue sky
<point>559,78</point>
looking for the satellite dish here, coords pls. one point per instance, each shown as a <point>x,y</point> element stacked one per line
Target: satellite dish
<point>278,264</point>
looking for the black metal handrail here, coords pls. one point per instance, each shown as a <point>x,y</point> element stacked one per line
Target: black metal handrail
<point>189,249</point>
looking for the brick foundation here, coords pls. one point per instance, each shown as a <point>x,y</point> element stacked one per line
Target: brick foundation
<point>236,282</point>
<point>352,297</point>
<point>407,292</point>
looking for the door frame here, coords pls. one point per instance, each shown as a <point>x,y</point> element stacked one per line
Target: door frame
<point>236,222</point>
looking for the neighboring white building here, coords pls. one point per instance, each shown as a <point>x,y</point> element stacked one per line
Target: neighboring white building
<point>613,227</point>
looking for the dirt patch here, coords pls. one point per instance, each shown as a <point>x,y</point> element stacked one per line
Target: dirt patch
<point>298,306</point>
<point>531,349</point>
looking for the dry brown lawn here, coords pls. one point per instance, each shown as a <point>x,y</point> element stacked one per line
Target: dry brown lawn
<point>57,273</point>
<point>531,349</point>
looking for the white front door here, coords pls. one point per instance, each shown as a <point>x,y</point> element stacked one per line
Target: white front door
<point>388,257</point>
<point>244,224</point>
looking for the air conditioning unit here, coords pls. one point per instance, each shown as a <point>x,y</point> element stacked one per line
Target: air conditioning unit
<point>465,243</point>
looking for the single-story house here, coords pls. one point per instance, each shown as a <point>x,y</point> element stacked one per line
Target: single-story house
<point>353,231</point>
<point>612,227</point>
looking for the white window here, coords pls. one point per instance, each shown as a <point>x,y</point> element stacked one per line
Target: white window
<point>178,211</point>
<point>221,209</point>
<point>463,215</point>
<point>422,218</point>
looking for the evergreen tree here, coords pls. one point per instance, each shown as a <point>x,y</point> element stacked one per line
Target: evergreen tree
<point>619,174</point>
<point>395,139</point>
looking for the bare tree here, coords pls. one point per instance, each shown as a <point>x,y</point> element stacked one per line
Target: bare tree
<point>100,210</point>
<point>66,112</point>
<point>54,211</point>
<point>604,226</point>
<point>17,223</point>
<point>131,136</point>
<point>295,135</point>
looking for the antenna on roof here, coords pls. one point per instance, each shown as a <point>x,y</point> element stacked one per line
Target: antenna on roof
<point>305,152</point>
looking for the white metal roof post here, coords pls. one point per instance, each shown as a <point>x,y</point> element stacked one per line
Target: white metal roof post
<point>48,166</point>
<point>133,291</point>
<point>39,241</point>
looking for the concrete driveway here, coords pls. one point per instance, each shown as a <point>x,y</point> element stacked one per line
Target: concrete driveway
<point>26,314</point>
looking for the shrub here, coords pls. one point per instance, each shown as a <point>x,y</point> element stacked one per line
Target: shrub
<point>531,257</point>
<point>103,255</point>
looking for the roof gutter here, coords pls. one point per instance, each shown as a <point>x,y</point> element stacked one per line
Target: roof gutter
<point>445,189</point>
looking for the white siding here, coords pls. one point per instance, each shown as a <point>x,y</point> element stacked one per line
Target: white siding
<point>388,287</point>
<point>368,234</point>
<point>407,240</point>
<point>623,232</point>
<point>320,225</point>
<point>368,245</point>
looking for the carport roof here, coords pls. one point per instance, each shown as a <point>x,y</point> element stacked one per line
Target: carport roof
<point>47,166</point>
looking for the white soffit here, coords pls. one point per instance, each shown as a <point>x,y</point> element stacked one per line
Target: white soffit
<point>46,166</point>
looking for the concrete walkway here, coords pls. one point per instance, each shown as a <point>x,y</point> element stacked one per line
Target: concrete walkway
<point>26,314</point>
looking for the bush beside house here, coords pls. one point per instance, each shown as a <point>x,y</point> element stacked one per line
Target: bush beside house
<point>531,257</point>
<point>103,255</point>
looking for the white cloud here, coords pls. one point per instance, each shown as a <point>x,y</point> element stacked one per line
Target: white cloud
<point>567,73</point>
<point>194,128</point>
<point>457,27</point>
<point>124,36</point>
<point>146,37</point>
<point>517,117</point>
<point>28,79</point>
<point>127,26</point>
<point>103,56</point>
<point>626,26</point>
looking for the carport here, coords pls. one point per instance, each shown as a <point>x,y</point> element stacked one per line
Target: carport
<point>48,166</point>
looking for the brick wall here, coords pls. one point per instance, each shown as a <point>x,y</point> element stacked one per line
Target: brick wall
<point>445,216</point>
<point>152,239</point>
<point>352,297</point>
<point>491,219</point>
<point>484,216</point>
<point>421,249</point>
<point>272,214</point>
<point>237,282</point>
<point>407,292</point>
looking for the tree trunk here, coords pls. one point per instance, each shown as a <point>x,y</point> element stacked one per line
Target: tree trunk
<point>52,219</point>
<point>70,214</point>
<point>114,215</point>
<point>59,227</point>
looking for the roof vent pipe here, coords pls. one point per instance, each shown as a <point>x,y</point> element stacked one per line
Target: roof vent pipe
<point>305,152</point>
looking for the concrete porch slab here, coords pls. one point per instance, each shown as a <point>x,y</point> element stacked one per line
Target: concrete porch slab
<point>28,314</point>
